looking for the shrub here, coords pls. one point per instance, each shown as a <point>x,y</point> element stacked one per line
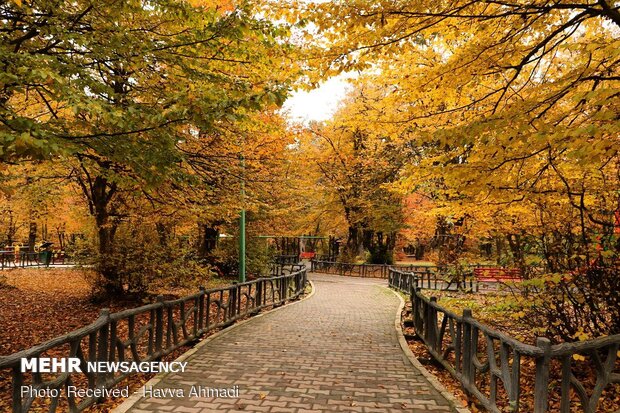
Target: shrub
<point>140,263</point>
<point>380,256</point>
<point>225,258</point>
<point>576,306</point>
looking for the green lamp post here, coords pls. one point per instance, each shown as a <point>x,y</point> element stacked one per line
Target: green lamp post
<point>242,223</point>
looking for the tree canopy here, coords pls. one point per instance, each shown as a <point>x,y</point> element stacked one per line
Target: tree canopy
<point>512,105</point>
<point>144,101</point>
<point>491,122</point>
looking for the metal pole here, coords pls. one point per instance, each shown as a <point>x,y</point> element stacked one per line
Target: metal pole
<point>242,223</point>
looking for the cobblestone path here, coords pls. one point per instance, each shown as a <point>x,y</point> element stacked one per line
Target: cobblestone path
<point>337,351</point>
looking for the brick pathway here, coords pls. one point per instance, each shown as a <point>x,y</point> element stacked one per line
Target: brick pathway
<point>335,352</point>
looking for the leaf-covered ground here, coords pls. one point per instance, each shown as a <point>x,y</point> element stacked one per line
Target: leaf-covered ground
<point>498,311</point>
<point>495,309</point>
<point>37,305</point>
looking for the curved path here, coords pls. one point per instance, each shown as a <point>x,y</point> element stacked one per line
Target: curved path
<point>336,351</point>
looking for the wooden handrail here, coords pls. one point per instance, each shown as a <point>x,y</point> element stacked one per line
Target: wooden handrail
<point>456,342</point>
<point>166,326</point>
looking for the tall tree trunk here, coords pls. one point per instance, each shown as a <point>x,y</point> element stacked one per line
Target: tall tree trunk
<point>499,249</point>
<point>163,233</point>
<point>101,195</point>
<point>380,246</point>
<point>333,248</point>
<point>516,248</point>
<point>60,230</point>
<point>32,236</point>
<point>11,230</point>
<point>208,235</point>
<point>419,250</point>
<point>354,245</point>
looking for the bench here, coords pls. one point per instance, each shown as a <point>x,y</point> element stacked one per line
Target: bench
<point>58,257</point>
<point>498,274</point>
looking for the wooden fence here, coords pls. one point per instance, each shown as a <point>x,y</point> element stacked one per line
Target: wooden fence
<point>284,269</point>
<point>429,277</point>
<point>29,259</point>
<point>143,334</point>
<point>286,259</point>
<point>475,353</point>
<point>361,270</point>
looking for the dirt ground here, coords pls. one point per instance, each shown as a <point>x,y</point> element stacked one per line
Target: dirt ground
<point>486,310</point>
<point>39,304</point>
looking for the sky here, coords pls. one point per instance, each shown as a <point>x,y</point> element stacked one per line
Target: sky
<point>318,104</point>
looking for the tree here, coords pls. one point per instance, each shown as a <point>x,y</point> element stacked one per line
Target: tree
<point>514,106</point>
<point>515,103</point>
<point>356,162</point>
<point>116,89</point>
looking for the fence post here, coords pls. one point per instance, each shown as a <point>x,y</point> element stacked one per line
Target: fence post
<point>102,344</point>
<point>284,285</point>
<point>431,327</point>
<point>259,294</point>
<point>414,313</point>
<point>112,341</point>
<point>17,386</point>
<point>287,288</point>
<point>232,300</point>
<point>201,308</point>
<point>238,303</point>
<point>299,283</point>
<point>304,278</point>
<point>417,319</point>
<point>542,375</point>
<point>159,324</point>
<point>467,347</point>
<point>208,311</point>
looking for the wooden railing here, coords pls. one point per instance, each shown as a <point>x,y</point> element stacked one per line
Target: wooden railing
<point>429,277</point>
<point>432,278</point>
<point>286,259</point>
<point>475,353</point>
<point>284,269</point>
<point>29,259</point>
<point>143,334</point>
<point>360,270</point>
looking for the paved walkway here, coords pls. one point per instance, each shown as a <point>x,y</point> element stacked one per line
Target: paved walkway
<point>337,351</point>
